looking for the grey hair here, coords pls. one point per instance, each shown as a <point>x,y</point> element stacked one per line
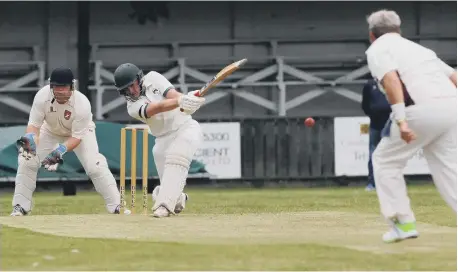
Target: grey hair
<point>384,21</point>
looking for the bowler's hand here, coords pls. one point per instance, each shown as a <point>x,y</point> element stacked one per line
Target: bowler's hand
<point>406,133</point>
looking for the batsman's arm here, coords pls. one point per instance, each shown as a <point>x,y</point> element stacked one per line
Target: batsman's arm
<point>173,94</point>
<point>142,111</point>
<point>146,110</point>
<point>163,106</point>
<point>159,83</point>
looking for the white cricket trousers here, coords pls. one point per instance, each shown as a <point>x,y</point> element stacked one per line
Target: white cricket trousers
<point>173,154</point>
<point>435,127</point>
<point>87,151</point>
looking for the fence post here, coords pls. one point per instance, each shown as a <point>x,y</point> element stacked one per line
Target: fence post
<point>281,87</point>
<point>99,90</point>
<point>182,75</point>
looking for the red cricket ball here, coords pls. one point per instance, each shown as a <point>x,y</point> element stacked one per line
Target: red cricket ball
<point>310,122</point>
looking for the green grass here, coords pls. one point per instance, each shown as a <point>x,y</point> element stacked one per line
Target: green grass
<point>23,249</point>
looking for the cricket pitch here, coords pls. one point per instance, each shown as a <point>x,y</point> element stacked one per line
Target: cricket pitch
<point>350,230</point>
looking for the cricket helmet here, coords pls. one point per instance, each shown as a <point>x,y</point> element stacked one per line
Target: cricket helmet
<point>125,75</point>
<point>61,77</point>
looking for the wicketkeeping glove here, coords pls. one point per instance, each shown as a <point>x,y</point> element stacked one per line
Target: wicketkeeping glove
<point>26,146</point>
<point>55,157</point>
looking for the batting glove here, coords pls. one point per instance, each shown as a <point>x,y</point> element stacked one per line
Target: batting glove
<point>190,103</point>
<point>55,157</point>
<point>193,93</point>
<point>27,146</point>
<point>192,111</point>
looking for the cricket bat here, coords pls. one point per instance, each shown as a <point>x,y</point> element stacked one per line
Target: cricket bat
<point>225,72</point>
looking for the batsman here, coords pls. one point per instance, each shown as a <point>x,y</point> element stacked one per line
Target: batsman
<point>153,100</point>
<point>60,121</point>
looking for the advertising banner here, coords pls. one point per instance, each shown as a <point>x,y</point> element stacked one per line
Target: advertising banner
<point>220,151</point>
<point>351,156</point>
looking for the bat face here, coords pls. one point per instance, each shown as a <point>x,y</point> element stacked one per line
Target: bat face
<point>225,72</point>
<point>231,68</point>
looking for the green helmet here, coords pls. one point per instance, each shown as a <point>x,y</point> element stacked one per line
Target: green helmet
<point>125,75</point>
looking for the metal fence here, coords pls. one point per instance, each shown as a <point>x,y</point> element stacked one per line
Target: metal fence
<point>276,148</point>
<point>281,149</point>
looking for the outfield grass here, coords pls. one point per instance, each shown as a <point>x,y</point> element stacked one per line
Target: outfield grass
<point>229,229</point>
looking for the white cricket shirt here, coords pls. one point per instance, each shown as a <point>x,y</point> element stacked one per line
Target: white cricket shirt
<point>424,75</point>
<point>156,87</point>
<point>73,118</point>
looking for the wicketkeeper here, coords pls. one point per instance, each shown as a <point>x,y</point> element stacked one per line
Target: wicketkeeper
<point>60,121</point>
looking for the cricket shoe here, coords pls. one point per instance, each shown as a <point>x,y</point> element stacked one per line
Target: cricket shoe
<point>401,232</point>
<point>18,211</point>
<point>161,211</point>
<point>181,203</point>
